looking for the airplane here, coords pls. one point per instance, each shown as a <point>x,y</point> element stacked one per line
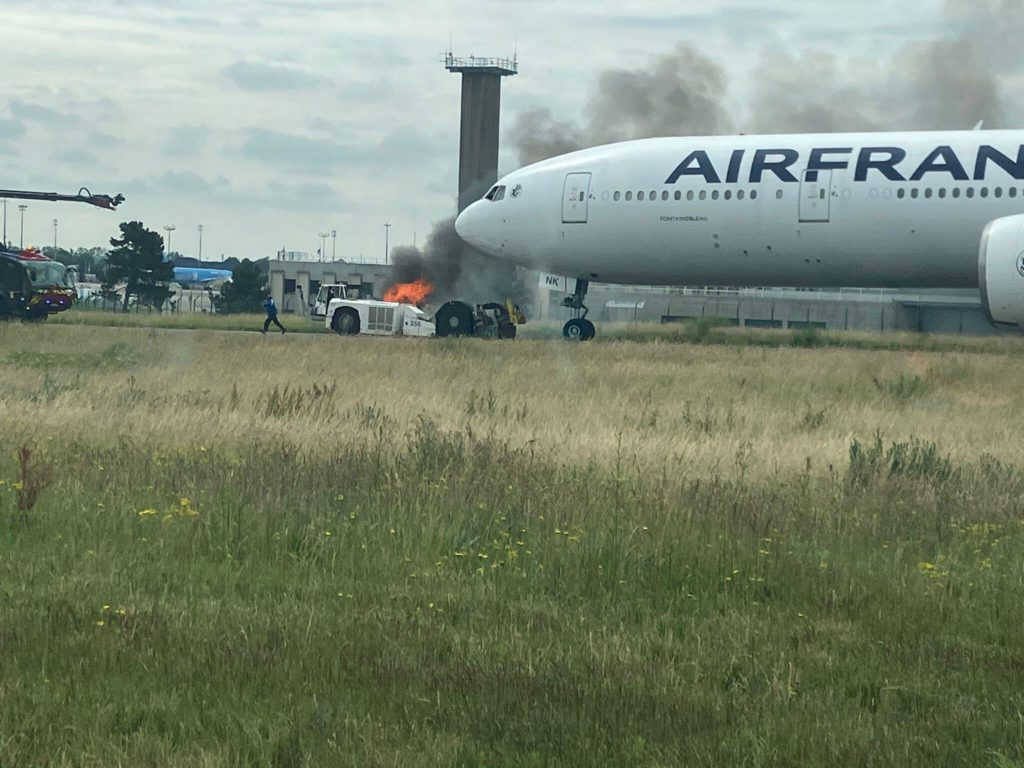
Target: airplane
<point>912,209</point>
<point>188,277</point>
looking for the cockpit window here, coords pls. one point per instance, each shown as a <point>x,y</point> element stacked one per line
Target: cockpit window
<point>496,194</point>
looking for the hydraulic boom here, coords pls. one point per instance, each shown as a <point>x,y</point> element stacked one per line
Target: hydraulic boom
<point>83,196</point>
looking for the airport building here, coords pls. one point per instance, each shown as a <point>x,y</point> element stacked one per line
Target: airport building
<point>294,284</point>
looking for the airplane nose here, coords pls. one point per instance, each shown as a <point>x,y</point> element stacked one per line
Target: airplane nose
<point>467,225</point>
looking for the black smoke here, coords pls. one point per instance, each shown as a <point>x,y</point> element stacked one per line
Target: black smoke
<point>950,82</point>
<point>455,269</point>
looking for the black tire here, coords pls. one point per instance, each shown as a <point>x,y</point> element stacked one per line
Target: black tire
<point>345,321</point>
<point>575,330</point>
<point>455,319</point>
<point>5,309</point>
<point>589,331</point>
<point>506,330</point>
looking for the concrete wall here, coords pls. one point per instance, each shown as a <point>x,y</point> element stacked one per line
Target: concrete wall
<point>478,148</point>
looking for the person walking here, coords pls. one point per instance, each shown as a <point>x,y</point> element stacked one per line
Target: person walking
<point>271,309</point>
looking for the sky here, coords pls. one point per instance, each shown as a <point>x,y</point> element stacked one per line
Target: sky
<point>271,121</point>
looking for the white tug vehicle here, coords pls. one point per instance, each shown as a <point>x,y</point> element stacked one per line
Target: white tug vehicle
<point>371,317</point>
<point>399,314</point>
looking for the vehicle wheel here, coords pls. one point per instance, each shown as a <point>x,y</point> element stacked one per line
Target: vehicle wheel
<point>345,321</point>
<point>575,330</point>
<point>455,319</point>
<point>5,309</point>
<point>506,330</point>
<point>589,331</point>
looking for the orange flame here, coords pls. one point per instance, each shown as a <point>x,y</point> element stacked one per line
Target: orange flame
<point>409,293</point>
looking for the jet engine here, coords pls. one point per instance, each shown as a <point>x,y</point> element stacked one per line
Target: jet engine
<point>1001,270</point>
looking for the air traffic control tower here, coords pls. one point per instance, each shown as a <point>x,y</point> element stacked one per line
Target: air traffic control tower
<point>481,117</point>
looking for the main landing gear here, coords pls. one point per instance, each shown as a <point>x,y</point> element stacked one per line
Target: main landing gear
<point>579,328</point>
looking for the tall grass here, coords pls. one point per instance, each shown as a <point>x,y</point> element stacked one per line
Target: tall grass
<point>420,554</point>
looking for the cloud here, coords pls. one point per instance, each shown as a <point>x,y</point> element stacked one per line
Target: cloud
<point>75,157</point>
<point>25,110</point>
<point>264,77</point>
<point>11,129</point>
<point>186,141</point>
<point>294,151</point>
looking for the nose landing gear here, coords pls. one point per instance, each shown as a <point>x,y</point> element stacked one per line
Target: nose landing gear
<point>579,328</point>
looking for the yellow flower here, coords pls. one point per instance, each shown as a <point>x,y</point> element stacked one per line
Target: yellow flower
<point>18,486</point>
<point>148,512</point>
<point>100,623</point>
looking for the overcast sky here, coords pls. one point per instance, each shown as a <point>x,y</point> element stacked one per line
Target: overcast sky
<point>269,121</point>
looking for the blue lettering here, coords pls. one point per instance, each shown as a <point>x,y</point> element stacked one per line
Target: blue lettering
<point>818,163</point>
<point>950,164</point>
<point>697,164</point>
<point>987,153</point>
<point>887,166</point>
<point>780,167</point>
<point>733,174</point>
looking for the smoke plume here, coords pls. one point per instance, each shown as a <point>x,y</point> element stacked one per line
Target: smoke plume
<point>681,93</point>
<point>947,83</point>
<point>455,269</point>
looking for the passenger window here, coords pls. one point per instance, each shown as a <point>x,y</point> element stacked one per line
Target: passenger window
<point>664,195</point>
<point>654,195</point>
<point>1012,192</point>
<point>778,194</point>
<point>901,193</point>
<point>703,194</point>
<point>984,191</point>
<point>956,193</point>
<point>914,193</point>
<point>616,196</point>
<point>970,192</point>
<point>714,195</point>
<point>928,193</point>
<point>998,192</point>
<point>689,195</point>
<point>739,194</point>
<point>753,194</point>
<point>942,193</point>
<point>639,195</point>
<point>679,195</point>
<point>629,196</point>
<point>728,194</point>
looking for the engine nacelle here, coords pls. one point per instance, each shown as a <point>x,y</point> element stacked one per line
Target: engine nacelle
<point>1001,270</point>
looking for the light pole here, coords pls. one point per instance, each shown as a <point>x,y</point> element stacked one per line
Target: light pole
<point>200,242</point>
<point>334,245</point>
<point>54,238</point>
<point>5,222</point>
<point>168,229</point>
<point>387,235</point>
<point>22,208</point>
<point>323,245</point>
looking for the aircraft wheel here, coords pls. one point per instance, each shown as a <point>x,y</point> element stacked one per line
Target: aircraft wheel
<point>346,321</point>
<point>577,329</point>
<point>589,331</point>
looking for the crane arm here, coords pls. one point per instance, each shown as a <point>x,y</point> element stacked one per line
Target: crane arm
<point>83,196</point>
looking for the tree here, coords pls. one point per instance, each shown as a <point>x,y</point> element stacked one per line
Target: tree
<point>245,292</point>
<point>137,261</point>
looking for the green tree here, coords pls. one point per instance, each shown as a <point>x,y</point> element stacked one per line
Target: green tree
<point>245,292</point>
<point>137,260</point>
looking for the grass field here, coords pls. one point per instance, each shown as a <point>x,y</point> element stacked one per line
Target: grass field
<point>228,549</point>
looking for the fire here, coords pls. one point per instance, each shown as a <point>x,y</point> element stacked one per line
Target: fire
<point>409,293</point>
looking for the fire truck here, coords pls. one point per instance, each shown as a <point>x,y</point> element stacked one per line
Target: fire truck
<point>33,286</point>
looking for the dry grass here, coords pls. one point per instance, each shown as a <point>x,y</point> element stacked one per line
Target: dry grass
<point>697,408</point>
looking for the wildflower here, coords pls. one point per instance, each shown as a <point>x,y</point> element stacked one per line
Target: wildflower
<point>106,607</point>
<point>926,566</point>
<point>18,485</point>
<point>100,623</point>
<point>460,554</point>
<point>763,552</point>
<point>149,512</point>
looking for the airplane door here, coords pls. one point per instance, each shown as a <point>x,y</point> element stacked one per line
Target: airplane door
<point>815,196</point>
<point>575,198</point>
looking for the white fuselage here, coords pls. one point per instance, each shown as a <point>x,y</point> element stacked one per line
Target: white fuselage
<point>900,209</point>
